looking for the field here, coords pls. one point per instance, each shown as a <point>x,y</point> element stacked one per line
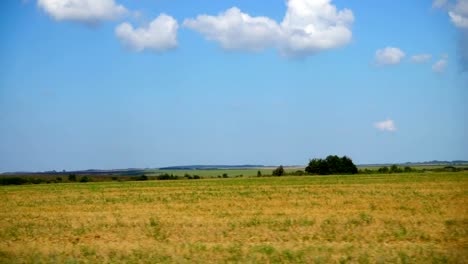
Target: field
<point>392,218</point>
<point>207,173</point>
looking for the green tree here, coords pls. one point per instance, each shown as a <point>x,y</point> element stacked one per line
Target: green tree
<point>72,177</point>
<point>331,165</point>
<point>278,171</point>
<point>394,169</point>
<point>407,169</point>
<point>347,166</point>
<point>84,179</point>
<point>259,174</point>
<point>383,169</point>
<point>317,166</point>
<point>334,165</point>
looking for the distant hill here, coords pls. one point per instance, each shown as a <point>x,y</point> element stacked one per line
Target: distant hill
<point>127,172</point>
<point>426,163</point>
<point>211,167</point>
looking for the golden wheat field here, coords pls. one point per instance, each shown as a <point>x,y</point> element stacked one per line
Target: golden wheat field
<point>406,218</point>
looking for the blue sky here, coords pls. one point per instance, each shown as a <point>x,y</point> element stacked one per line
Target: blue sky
<point>104,87</point>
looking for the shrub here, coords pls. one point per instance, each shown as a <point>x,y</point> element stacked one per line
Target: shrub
<point>259,174</point>
<point>451,169</point>
<point>298,173</point>
<point>36,181</point>
<point>72,177</point>
<point>142,177</point>
<point>383,170</point>
<point>166,176</point>
<point>395,169</point>
<point>84,179</point>
<point>278,171</point>
<point>12,181</point>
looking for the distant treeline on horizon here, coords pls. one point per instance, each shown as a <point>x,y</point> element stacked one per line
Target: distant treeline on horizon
<point>137,171</point>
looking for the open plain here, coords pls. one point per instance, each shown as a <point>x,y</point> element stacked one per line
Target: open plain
<point>404,218</point>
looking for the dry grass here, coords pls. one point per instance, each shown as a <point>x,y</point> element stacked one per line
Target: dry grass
<point>358,219</point>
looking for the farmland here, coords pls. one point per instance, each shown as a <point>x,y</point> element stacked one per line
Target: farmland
<point>399,218</point>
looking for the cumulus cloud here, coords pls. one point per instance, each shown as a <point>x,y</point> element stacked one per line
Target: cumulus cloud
<point>235,30</point>
<point>421,58</point>
<point>389,56</point>
<point>84,11</point>
<point>314,25</point>
<point>386,125</point>
<point>160,35</point>
<point>440,65</point>
<point>309,26</point>
<point>459,20</point>
<point>458,13</point>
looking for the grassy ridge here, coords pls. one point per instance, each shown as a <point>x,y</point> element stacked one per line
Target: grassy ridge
<point>397,218</point>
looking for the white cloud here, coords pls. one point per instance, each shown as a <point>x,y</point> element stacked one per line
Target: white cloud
<point>235,30</point>
<point>439,3</point>
<point>84,11</point>
<point>314,25</point>
<point>387,125</point>
<point>159,35</point>
<point>459,20</point>
<point>308,27</point>
<point>421,58</point>
<point>457,10</point>
<point>440,65</point>
<point>459,14</point>
<point>389,56</point>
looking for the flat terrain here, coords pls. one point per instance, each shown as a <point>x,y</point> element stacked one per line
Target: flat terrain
<point>216,172</point>
<point>396,218</point>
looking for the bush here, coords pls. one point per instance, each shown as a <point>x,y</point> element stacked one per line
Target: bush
<point>12,181</point>
<point>451,169</point>
<point>383,170</point>
<point>298,173</point>
<point>36,181</point>
<point>278,171</point>
<point>84,179</point>
<point>395,169</point>
<point>72,177</point>
<point>140,178</point>
<point>365,171</point>
<point>259,174</point>
<point>407,169</point>
<point>166,176</point>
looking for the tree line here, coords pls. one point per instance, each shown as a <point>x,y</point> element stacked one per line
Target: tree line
<point>330,165</point>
